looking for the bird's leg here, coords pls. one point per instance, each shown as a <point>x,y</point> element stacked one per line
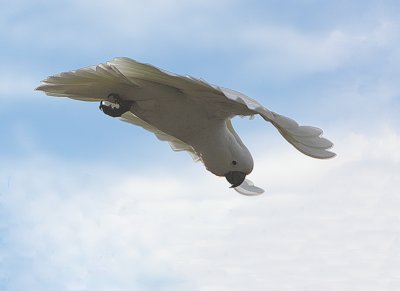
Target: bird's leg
<point>121,107</point>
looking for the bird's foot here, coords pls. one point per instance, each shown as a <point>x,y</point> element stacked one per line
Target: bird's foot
<point>118,108</point>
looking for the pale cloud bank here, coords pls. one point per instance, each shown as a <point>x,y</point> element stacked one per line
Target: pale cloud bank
<point>137,28</point>
<point>305,52</point>
<point>320,225</point>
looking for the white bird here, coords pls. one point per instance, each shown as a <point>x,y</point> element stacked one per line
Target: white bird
<point>189,113</point>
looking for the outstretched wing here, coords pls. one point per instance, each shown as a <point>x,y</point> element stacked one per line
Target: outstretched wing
<point>93,83</point>
<point>307,139</point>
<point>211,96</point>
<point>124,76</point>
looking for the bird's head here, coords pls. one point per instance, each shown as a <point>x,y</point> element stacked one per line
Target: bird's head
<point>226,156</point>
<point>232,163</point>
<point>238,170</point>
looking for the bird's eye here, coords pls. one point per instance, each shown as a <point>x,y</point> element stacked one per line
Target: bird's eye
<point>234,163</point>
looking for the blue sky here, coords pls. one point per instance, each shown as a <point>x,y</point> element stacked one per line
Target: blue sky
<point>91,203</point>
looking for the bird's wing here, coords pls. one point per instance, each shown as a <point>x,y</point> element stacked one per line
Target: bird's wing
<point>176,144</point>
<point>307,139</point>
<point>124,76</point>
<point>138,72</point>
<point>95,83</point>
<point>211,96</point>
<point>92,83</point>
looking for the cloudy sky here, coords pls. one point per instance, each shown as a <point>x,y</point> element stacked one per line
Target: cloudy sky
<point>91,203</point>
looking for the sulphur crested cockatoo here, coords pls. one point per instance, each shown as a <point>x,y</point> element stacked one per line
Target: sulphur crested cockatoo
<point>189,113</point>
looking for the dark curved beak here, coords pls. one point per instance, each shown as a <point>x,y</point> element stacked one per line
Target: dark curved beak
<point>235,178</point>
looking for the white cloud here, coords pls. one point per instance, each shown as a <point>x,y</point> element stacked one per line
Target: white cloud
<point>286,50</point>
<point>320,225</point>
<point>360,102</point>
<point>148,30</point>
<point>86,26</point>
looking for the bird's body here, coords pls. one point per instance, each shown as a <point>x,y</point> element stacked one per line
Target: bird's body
<point>190,114</point>
<point>198,126</point>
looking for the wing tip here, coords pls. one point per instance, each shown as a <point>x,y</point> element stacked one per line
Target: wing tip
<point>333,155</point>
<point>41,87</point>
<point>324,155</point>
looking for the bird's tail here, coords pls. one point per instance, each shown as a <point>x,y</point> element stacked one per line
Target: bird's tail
<point>306,139</point>
<point>93,83</point>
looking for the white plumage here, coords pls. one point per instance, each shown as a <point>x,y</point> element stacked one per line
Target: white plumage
<point>191,114</point>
